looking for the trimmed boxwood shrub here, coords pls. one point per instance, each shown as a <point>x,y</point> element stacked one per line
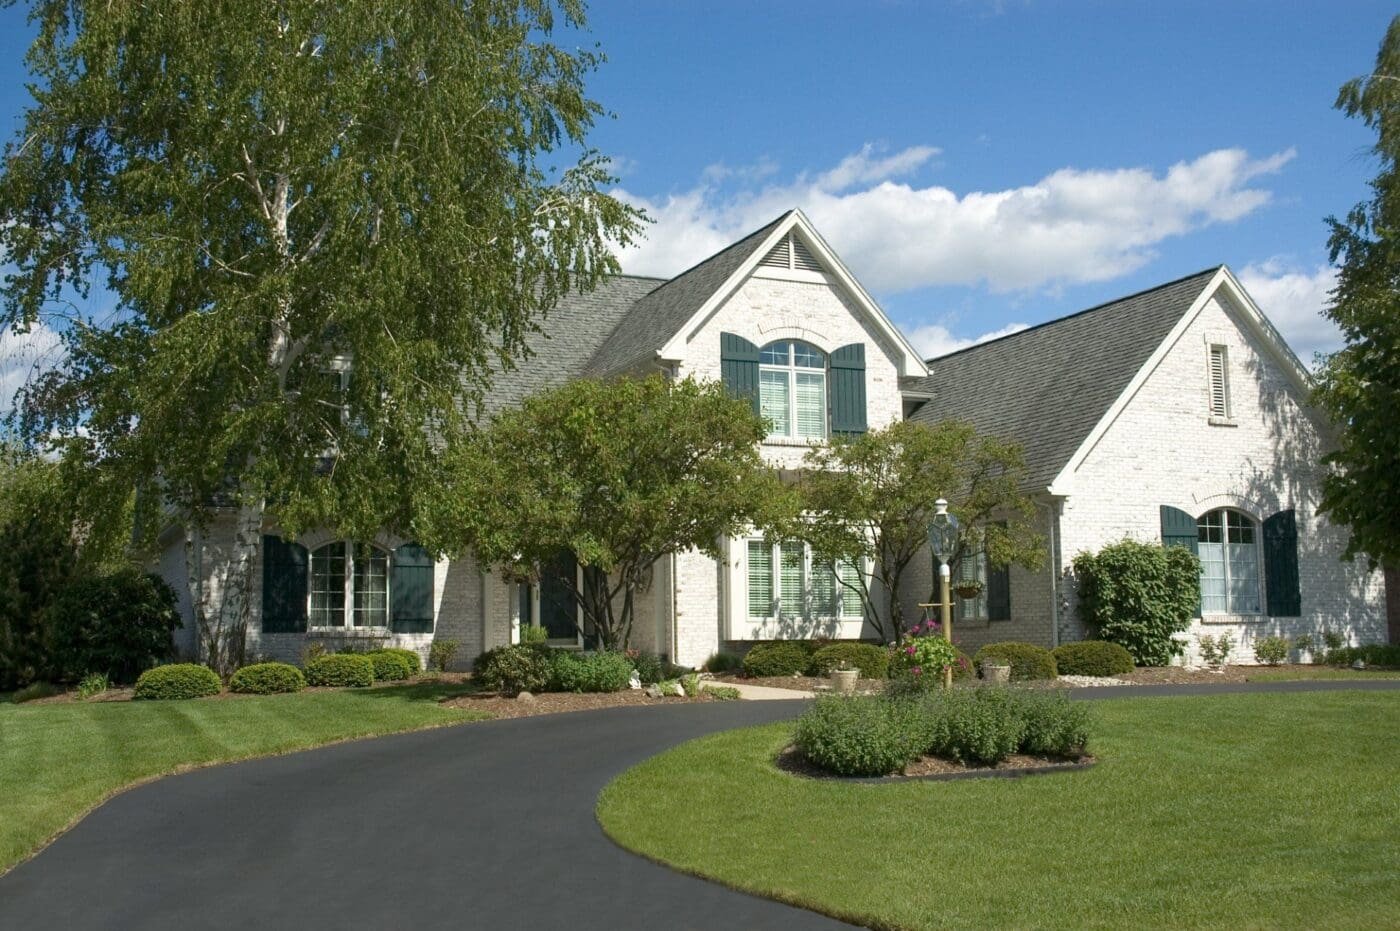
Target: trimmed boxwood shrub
<point>516,668</point>
<point>1027,661</point>
<point>859,735</point>
<point>778,658</point>
<point>267,679</point>
<point>1138,594</point>
<point>389,667</point>
<point>590,672</point>
<point>341,669</point>
<point>1092,658</point>
<point>1372,654</point>
<point>178,680</point>
<point>415,662</point>
<point>872,661</point>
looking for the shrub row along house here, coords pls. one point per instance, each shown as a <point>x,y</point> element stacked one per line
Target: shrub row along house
<point>1178,414</point>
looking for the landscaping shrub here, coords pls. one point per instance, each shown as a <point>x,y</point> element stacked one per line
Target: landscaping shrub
<point>588,672</point>
<point>722,692</point>
<point>267,679</point>
<point>177,681</point>
<point>1027,661</point>
<point>441,654</point>
<point>1092,658</point>
<point>35,690</point>
<point>415,662</point>
<point>860,735</point>
<point>341,669</point>
<point>533,635</point>
<point>872,661</point>
<point>722,662</point>
<point>1215,650</point>
<point>1138,594</point>
<point>120,624</point>
<point>1054,725</point>
<point>648,666</point>
<point>778,658</point>
<point>925,653</point>
<point>1271,650</point>
<point>1372,654</point>
<point>389,667</point>
<point>980,726</point>
<point>514,669</point>
<point>92,685</point>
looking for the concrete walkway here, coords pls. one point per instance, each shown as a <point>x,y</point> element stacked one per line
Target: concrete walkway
<point>763,692</point>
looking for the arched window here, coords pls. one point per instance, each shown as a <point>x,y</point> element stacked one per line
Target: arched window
<point>792,389</point>
<point>1228,544</point>
<point>349,586</point>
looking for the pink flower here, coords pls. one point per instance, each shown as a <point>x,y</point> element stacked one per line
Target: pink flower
<point>918,671</point>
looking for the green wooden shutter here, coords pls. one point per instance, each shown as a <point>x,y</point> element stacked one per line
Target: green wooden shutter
<point>1281,565</point>
<point>411,590</point>
<point>738,367</point>
<point>283,586</point>
<point>847,390</point>
<point>1178,529</point>
<point>998,590</point>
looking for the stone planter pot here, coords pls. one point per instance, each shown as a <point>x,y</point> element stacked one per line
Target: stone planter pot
<point>844,680</point>
<point>997,674</point>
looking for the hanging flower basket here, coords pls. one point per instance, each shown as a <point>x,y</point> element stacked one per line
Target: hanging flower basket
<point>968,589</point>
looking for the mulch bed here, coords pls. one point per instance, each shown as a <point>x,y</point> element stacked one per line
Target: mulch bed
<point>557,702</point>
<point>791,760</point>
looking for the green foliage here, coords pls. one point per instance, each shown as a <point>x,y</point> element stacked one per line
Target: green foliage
<point>177,681</point>
<point>777,658</point>
<point>415,662</point>
<point>1372,654</point>
<point>1027,661</point>
<point>441,654</point>
<point>341,670</point>
<point>1138,595</point>
<point>533,635</point>
<point>1054,725</point>
<point>722,662</point>
<point>860,736</point>
<point>648,666</point>
<point>120,624</point>
<point>267,679</point>
<point>34,691</point>
<point>722,692</point>
<point>516,668</point>
<point>924,656</point>
<point>690,682</point>
<point>1271,650</point>
<point>621,473</point>
<point>588,672</point>
<point>872,497</point>
<point>872,661</point>
<point>976,726</point>
<point>1358,386</point>
<point>1093,658</point>
<point>1215,650</point>
<point>92,685</point>
<point>1333,640</point>
<point>389,667</point>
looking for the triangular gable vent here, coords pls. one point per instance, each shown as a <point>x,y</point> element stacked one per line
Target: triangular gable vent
<point>792,253</point>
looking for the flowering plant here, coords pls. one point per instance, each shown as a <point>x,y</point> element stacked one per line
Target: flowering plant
<point>924,651</point>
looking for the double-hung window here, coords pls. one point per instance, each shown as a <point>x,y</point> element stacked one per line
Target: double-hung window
<point>1227,544</point>
<point>349,586</point>
<point>787,580</point>
<point>792,389</point>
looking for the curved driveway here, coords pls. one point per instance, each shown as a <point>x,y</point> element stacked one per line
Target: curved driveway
<point>488,825</point>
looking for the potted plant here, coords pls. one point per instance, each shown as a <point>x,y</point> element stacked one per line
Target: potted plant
<point>996,671</point>
<point>843,676</point>
<point>968,588</point>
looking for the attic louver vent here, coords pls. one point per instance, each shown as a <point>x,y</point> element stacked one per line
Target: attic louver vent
<point>1219,382</point>
<point>791,253</point>
<point>802,257</point>
<point>780,256</point>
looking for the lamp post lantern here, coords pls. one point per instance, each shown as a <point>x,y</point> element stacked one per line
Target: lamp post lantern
<point>943,541</point>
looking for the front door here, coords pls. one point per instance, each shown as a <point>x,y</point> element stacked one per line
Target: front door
<point>558,611</point>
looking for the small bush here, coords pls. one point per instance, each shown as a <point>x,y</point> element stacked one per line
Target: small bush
<point>777,658</point>
<point>515,669</point>
<point>724,662</point>
<point>1216,650</point>
<point>1054,725</point>
<point>1092,658</point>
<point>1138,595</point>
<point>872,661</point>
<point>648,666</point>
<point>532,635</point>
<point>267,679</point>
<point>1271,650</point>
<point>860,735</point>
<point>722,692</point>
<point>1372,654</point>
<point>1027,661</point>
<point>441,654</point>
<point>691,683</point>
<point>588,672</point>
<point>177,681</point>
<point>34,691</point>
<point>120,624</point>
<point>415,662</point>
<point>389,666</point>
<point>92,685</point>
<point>355,670</point>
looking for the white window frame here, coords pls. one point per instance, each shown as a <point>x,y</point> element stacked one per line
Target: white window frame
<point>348,609</point>
<point>792,370</point>
<point>741,625</point>
<point>1258,544</point>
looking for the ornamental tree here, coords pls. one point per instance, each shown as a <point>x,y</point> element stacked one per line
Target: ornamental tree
<point>870,499</point>
<point>321,227</point>
<point>622,473</point>
<point>1360,385</point>
<point>1138,595</point>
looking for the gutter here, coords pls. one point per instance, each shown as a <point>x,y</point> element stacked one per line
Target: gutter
<point>1052,511</point>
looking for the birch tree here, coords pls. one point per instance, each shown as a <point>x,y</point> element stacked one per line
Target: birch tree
<point>321,227</point>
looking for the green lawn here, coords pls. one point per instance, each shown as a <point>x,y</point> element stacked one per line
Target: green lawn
<point>1238,811</point>
<point>57,761</point>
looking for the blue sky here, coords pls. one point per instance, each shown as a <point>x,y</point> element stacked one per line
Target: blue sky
<point>980,165</point>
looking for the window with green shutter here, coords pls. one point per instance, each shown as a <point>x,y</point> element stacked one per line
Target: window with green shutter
<point>411,587</point>
<point>738,366</point>
<point>284,586</point>
<point>847,391</point>
<point>1281,565</point>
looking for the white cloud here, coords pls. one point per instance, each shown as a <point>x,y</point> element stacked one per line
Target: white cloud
<point>935,339</point>
<point>23,356</point>
<point>1293,298</point>
<point>1072,226</point>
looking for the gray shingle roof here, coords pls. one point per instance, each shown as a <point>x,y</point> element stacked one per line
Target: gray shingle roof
<point>654,319</point>
<point>1046,387</point>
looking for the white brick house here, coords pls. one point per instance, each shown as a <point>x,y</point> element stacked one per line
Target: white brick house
<point>1114,406</point>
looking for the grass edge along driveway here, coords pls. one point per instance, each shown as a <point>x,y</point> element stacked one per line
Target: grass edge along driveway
<point>60,761</point>
<point>1241,811</point>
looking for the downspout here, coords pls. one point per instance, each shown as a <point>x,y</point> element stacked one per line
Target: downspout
<point>675,625</point>
<point>1052,525</point>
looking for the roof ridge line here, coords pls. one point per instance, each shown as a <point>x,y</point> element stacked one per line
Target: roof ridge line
<point>742,239</point>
